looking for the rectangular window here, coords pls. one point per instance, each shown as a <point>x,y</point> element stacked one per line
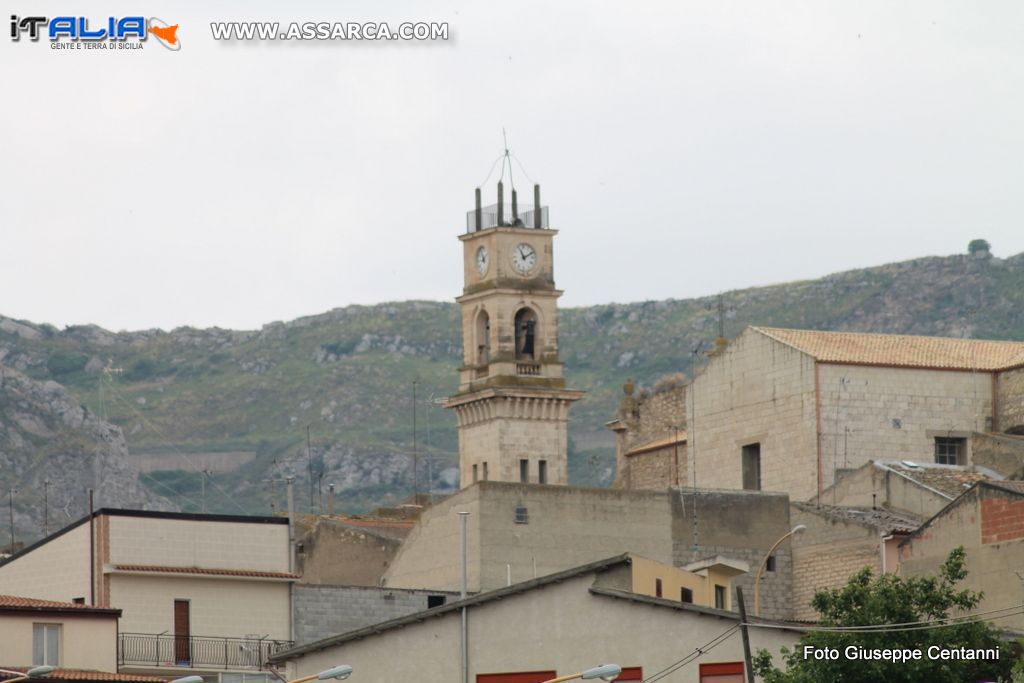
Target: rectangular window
<point>542,471</point>
<point>436,601</point>
<point>686,595</point>
<point>720,597</point>
<point>46,644</point>
<point>475,479</point>
<point>770,564</point>
<point>752,467</point>
<point>722,672</point>
<point>524,471</point>
<point>950,450</point>
<point>522,515</point>
<point>657,588</point>
<point>486,473</point>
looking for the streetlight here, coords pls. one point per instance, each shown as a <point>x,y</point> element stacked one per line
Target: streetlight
<point>34,672</point>
<point>605,672</point>
<point>760,570</point>
<point>340,672</point>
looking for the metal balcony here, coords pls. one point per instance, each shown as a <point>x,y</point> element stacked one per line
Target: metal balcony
<point>196,652</point>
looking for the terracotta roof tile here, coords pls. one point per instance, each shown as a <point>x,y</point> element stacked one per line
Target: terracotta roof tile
<point>901,350</point>
<point>208,571</point>
<point>657,444</point>
<point>85,675</point>
<point>8,602</point>
<point>950,480</point>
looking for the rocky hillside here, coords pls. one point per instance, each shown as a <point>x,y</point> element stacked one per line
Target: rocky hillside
<point>52,446</point>
<point>238,403</point>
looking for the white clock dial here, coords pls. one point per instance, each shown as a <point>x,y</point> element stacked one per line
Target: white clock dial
<point>524,258</point>
<point>483,260</point>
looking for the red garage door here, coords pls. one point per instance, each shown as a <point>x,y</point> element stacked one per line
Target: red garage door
<point>520,677</point>
<point>722,672</point>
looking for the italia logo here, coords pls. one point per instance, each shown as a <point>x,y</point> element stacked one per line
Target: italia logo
<point>119,30</point>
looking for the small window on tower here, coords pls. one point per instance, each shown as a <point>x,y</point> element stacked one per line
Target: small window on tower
<point>524,471</point>
<point>474,474</point>
<point>483,338</point>
<point>485,471</point>
<point>542,471</point>
<point>522,515</point>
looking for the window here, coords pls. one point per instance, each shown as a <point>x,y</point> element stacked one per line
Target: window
<point>436,601</point>
<point>685,595</point>
<point>78,601</point>
<point>722,672</point>
<point>752,467</point>
<point>770,564</point>
<point>720,597</point>
<point>483,338</point>
<point>657,588</point>
<point>524,471</point>
<point>522,515</point>
<point>950,450</point>
<point>542,471</point>
<point>46,644</point>
<point>485,471</point>
<point>474,474</point>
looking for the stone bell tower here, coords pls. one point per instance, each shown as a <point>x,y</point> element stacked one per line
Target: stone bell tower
<point>512,406</point>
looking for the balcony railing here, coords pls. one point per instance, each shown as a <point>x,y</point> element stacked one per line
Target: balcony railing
<point>208,652</point>
<point>527,368</point>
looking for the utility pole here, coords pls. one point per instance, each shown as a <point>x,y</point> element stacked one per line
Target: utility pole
<point>46,508</point>
<point>290,483</point>
<point>309,456</point>
<point>463,585</point>
<point>748,665</point>
<point>10,496</point>
<point>415,455</point>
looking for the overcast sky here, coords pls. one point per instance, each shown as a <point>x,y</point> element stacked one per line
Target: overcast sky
<point>685,148</point>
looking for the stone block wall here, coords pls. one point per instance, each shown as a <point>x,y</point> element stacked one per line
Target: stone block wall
<point>1001,453</point>
<point>1011,401</point>
<point>322,611</point>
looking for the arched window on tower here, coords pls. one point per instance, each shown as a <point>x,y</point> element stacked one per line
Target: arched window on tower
<point>526,332</point>
<point>483,338</point>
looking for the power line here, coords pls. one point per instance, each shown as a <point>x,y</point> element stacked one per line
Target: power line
<point>896,628</point>
<point>698,652</point>
<point>116,394</point>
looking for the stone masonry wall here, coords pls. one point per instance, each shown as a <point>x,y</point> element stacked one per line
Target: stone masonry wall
<point>653,414</point>
<point>1004,454</point>
<point>1011,400</point>
<point>322,611</point>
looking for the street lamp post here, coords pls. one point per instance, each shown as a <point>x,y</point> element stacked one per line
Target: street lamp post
<point>34,672</point>
<point>340,672</point>
<point>760,570</point>
<point>605,672</point>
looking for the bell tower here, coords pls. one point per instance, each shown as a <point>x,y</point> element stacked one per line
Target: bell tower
<point>512,406</point>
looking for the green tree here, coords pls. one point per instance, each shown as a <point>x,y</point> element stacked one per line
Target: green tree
<point>868,600</point>
<point>978,245</point>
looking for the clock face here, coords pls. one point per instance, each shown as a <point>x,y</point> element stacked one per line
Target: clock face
<point>524,258</point>
<point>483,260</point>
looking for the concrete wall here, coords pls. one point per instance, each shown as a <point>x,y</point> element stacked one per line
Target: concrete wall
<point>218,607</point>
<point>1001,453</point>
<point>739,525</point>
<point>755,390</point>
<point>189,543</point>
<point>826,554</point>
<point>57,570</point>
<point>872,413</point>
<point>561,627</point>
<point>321,611</point>
<point>989,523</point>
<point>569,527</point>
<point>871,486</point>
<point>337,554</point>
<point>1011,400</point>
<point>86,641</point>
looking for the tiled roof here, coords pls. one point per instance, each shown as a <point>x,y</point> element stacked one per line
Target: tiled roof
<point>884,520</point>
<point>374,523</point>
<point>950,480</point>
<point>901,350</point>
<point>84,675</point>
<point>1011,486</point>
<point>207,571</point>
<point>658,444</point>
<point>15,602</point>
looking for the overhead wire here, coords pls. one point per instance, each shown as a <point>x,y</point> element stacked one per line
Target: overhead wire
<point>697,653</point>
<point>947,622</point>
